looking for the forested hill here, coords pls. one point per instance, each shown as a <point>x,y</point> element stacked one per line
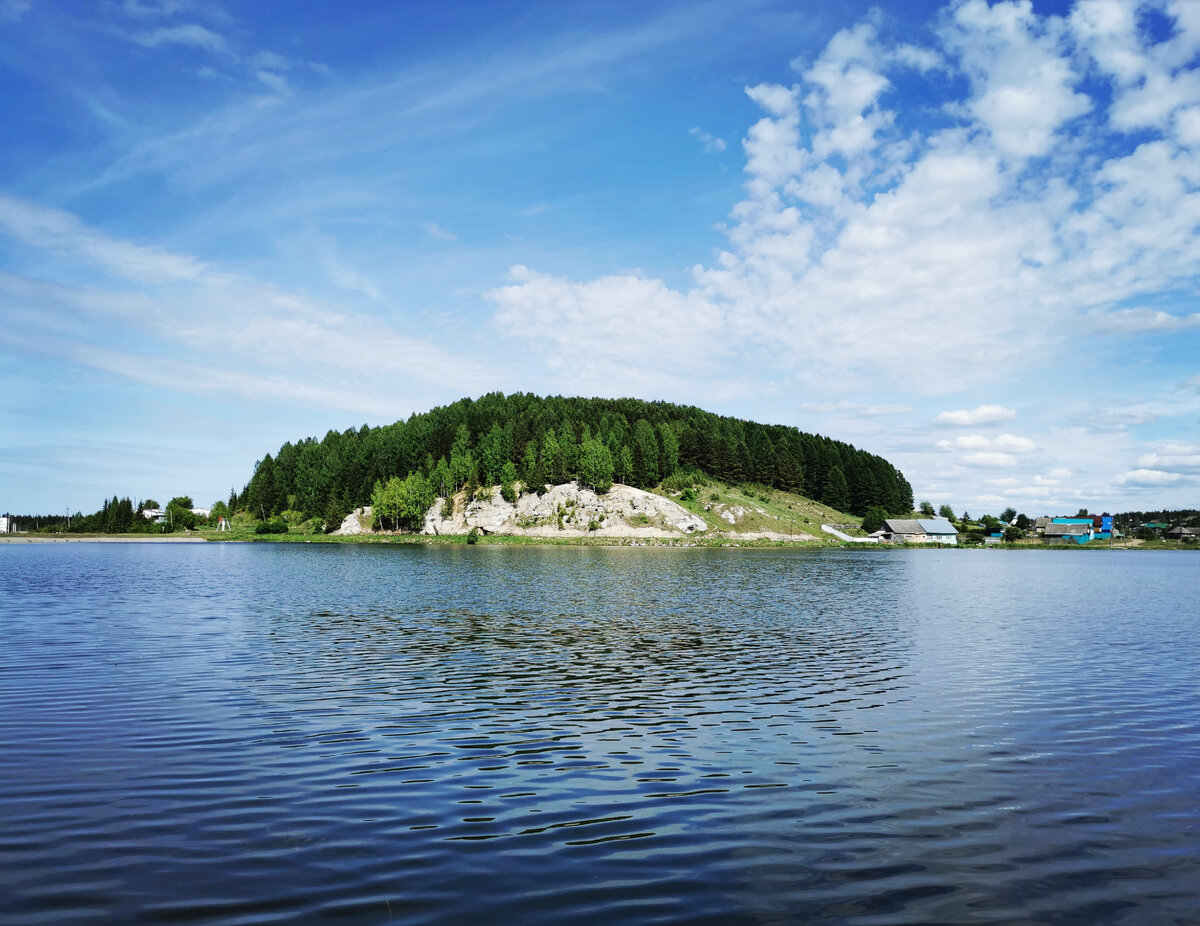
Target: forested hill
<point>538,440</point>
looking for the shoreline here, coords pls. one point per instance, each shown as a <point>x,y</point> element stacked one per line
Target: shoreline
<point>99,538</point>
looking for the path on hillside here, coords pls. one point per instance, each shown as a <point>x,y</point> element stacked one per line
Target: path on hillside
<point>830,529</point>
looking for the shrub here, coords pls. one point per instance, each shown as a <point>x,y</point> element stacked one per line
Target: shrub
<point>272,526</point>
<point>473,536</point>
<point>688,494</point>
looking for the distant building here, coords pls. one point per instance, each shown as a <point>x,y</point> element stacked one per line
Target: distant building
<point>1183,533</point>
<point>152,514</point>
<point>5,527</point>
<point>919,530</point>
<point>1069,530</point>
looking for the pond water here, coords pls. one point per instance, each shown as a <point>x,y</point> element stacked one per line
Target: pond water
<point>409,734</point>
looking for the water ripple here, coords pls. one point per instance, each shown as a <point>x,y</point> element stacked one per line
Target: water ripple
<point>248,734</point>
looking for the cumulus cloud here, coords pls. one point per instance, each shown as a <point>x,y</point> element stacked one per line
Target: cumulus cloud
<point>1149,477</point>
<point>982,414</point>
<point>1177,456</point>
<point>1009,443</point>
<point>885,247</point>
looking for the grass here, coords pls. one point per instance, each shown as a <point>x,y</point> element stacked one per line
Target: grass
<point>764,510</point>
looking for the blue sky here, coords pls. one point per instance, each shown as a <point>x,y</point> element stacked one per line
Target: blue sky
<point>963,236</point>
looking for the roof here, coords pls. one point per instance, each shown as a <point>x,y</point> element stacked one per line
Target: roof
<point>1068,530</point>
<point>1182,531</point>
<point>936,526</point>
<point>903,526</point>
<point>1072,521</point>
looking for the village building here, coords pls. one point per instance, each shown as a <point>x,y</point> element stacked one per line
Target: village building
<point>919,530</point>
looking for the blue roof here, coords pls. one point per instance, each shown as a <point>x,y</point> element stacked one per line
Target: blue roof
<point>936,526</point>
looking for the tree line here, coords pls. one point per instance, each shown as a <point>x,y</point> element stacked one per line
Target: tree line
<point>532,441</point>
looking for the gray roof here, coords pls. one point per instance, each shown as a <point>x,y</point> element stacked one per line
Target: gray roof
<point>1181,531</point>
<point>1068,530</point>
<point>937,526</point>
<point>903,526</point>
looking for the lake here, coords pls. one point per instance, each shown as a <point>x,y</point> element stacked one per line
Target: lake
<point>428,734</point>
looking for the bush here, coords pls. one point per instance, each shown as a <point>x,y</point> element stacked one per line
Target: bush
<point>688,494</point>
<point>874,518</point>
<point>473,536</point>
<point>272,526</point>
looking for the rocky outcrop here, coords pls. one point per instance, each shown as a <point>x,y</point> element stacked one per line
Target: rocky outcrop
<point>358,521</point>
<point>568,511</point>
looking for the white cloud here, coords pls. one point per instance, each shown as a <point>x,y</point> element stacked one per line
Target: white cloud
<point>240,336</point>
<point>712,144</point>
<point>436,231</point>
<point>1174,455</point>
<point>982,414</point>
<point>191,34</point>
<point>1009,443</point>
<point>1149,477</point>
<point>1022,81</point>
<point>64,234</point>
<point>988,459</point>
<point>1142,320</point>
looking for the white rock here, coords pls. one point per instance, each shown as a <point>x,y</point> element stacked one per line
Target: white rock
<point>356,522</point>
<point>567,511</point>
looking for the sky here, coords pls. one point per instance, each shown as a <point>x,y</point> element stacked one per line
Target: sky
<point>963,236</point>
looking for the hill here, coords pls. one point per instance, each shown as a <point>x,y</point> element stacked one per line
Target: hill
<point>532,440</point>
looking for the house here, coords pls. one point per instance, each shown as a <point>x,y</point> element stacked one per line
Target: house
<point>1180,532</point>
<point>920,530</point>
<point>153,514</point>
<point>4,525</point>
<point>1040,524</point>
<point>1069,530</point>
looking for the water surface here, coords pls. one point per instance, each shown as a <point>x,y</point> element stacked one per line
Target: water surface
<point>268,733</point>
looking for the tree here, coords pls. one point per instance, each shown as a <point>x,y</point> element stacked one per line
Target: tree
<point>927,509</point>
<point>625,464</point>
<point>1023,522</point>
<point>1008,514</point>
<point>946,512</point>
<point>1082,513</point>
<point>596,466</point>
<point>1013,534</point>
<point>874,518</point>
<point>836,492</point>
<point>403,501</point>
<point>508,481</point>
<point>645,454</point>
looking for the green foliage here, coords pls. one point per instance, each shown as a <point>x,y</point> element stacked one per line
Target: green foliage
<point>272,526</point>
<point>836,493</point>
<point>688,494</point>
<point>596,466</point>
<point>1008,514</point>
<point>1013,534</point>
<point>551,439</point>
<point>874,518</point>
<point>946,512</point>
<point>508,482</point>
<point>473,535</point>
<point>403,502</point>
<point>927,509</point>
